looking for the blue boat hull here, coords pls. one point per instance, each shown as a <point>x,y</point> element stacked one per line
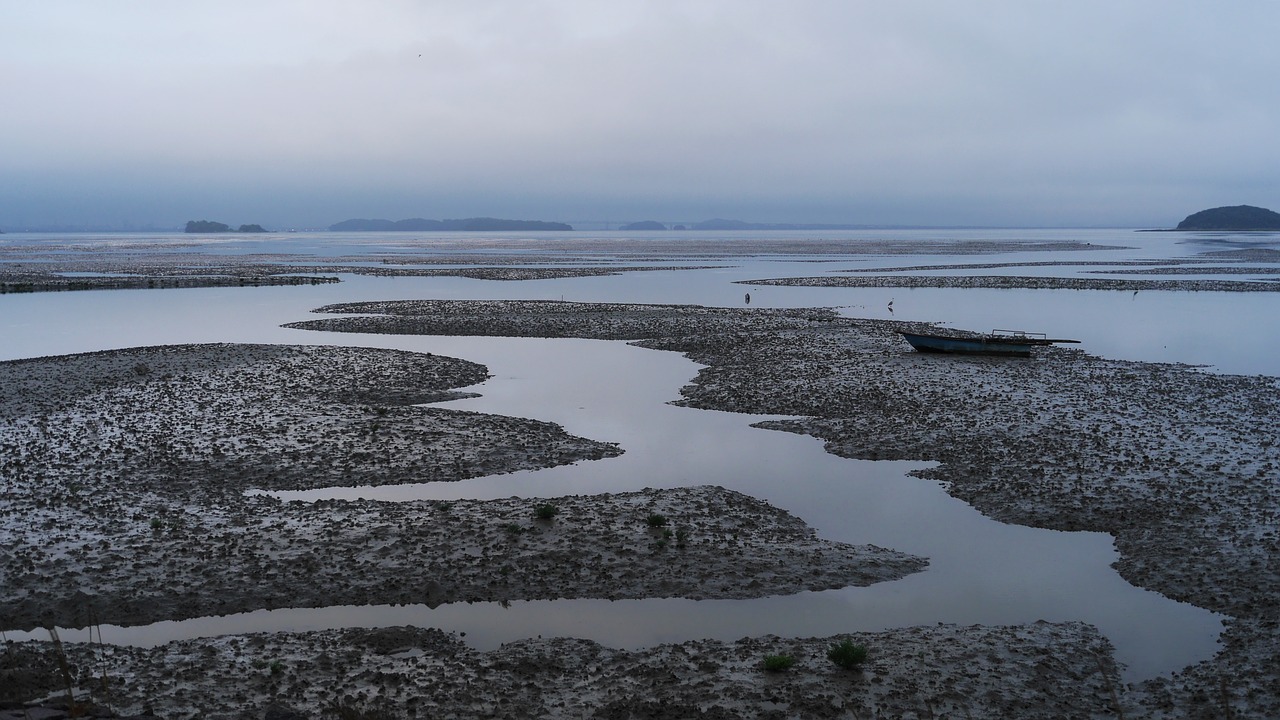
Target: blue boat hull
<point>969,346</point>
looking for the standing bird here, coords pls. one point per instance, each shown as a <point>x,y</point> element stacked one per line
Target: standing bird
<point>748,298</point>
<point>890,306</point>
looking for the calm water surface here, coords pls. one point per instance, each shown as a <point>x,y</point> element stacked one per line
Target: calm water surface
<point>980,572</point>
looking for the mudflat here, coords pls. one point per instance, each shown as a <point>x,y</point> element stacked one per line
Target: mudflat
<point>1176,463</point>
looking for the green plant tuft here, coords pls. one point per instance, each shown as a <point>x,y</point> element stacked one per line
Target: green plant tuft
<point>847,655</point>
<point>778,663</point>
<point>546,511</point>
<point>656,521</point>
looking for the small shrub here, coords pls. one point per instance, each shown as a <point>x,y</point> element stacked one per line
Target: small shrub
<point>546,511</point>
<point>847,655</point>
<point>682,537</point>
<point>157,524</point>
<point>656,521</point>
<point>513,528</point>
<point>778,663</point>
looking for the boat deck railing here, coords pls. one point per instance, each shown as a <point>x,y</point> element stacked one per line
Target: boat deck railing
<point>1019,334</point>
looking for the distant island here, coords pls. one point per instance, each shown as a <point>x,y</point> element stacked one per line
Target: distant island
<point>644,225</point>
<point>466,225</point>
<point>1237,217</point>
<point>209,226</point>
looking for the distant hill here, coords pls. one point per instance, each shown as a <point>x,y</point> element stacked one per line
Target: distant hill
<point>1237,217</point>
<point>465,225</point>
<point>209,226</point>
<point>644,225</point>
<point>206,226</point>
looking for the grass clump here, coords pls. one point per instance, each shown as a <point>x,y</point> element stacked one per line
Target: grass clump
<point>656,521</point>
<point>545,511</point>
<point>778,663</point>
<point>847,655</point>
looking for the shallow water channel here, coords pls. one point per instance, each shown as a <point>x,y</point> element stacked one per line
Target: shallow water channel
<point>980,571</point>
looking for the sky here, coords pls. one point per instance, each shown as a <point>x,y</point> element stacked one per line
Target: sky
<point>299,114</point>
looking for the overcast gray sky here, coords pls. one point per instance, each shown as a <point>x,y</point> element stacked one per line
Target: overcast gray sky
<point>302,113</point>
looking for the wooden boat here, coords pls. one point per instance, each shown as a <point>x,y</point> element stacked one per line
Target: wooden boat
<point>1010,343</point>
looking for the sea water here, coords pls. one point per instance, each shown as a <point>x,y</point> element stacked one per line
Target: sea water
<point>980,571</point>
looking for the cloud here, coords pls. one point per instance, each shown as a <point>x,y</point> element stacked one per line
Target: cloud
<point>903,112</point>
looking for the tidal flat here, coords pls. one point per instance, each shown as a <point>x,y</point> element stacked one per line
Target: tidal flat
<point>138,466</point>
<point>1178,464</point>
<point>1175,462</point>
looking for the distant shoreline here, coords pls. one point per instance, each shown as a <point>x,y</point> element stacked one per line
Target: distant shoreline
<point>590,226</point>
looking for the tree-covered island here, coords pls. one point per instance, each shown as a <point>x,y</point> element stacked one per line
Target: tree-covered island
<point>1236,217</point>
<point>209,226</point>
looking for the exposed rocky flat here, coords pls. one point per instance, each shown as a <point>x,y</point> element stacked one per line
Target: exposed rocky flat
<point>1266,283</point>
<point>126,475</point>
<point>1227,262</point>
<point>1178,464</point>
<point>1031,672</point>
<point>131,276</point>
<point>137,264</point>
